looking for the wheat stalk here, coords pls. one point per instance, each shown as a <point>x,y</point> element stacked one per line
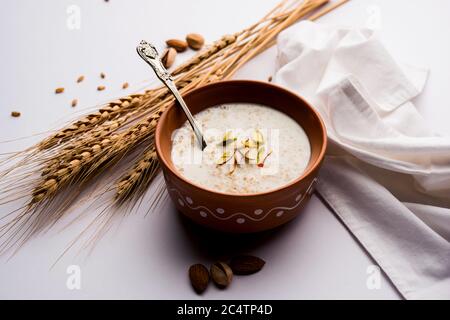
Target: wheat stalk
<point>141,174</point>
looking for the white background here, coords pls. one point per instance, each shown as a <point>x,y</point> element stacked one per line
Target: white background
<point>147,257</point>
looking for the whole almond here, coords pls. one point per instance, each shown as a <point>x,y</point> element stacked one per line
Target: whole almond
<point>199,276</point>
<point>221,274</point>
<point>15,114</point>
<point>74,103</point>
<point>168,57</point>
<point>101,88</point>
<point>177,44</point>
<point>80,79</point>
<point>246,264</point>
<point>195,41</point>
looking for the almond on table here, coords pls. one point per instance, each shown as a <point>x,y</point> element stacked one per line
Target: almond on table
<point>221,274</point>
<point>177,44</point>
<point>199,276</point>
<point>195,41</point>
<point>246,264</point>
<point>168,57</point>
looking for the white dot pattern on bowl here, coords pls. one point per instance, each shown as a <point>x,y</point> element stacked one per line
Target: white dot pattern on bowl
<point>205,212</point>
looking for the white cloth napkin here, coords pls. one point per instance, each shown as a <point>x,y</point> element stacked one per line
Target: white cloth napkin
<point>387,175</point>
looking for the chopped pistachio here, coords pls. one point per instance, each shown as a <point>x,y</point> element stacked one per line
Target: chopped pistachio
<point>233,166</point>
<point>249,143</point>
<point>228,138</point>
<point>250,150</point>
<point>260,154</point>
<point>226,155</point>
<point>261,164</point>
<point>239,156</point>
<point>251,154</point>
<point>258,137</point>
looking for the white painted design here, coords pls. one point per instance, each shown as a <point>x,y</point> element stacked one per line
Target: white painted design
<point>258,211</point>
<point>311,187</point>
<point>240,216</point>
<point>189,200</point>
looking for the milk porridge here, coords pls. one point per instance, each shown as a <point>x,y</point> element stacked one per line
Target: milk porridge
<point>250,148</point>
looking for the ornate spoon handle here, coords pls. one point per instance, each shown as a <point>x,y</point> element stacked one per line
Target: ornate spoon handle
<point>150,55</point>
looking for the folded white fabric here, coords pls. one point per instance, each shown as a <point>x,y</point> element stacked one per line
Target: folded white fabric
<point>364,96</point>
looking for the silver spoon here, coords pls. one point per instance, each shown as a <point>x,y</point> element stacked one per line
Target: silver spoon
<point>148,52</point>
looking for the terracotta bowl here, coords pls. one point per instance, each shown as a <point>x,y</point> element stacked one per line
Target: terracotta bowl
<point>241,213</point>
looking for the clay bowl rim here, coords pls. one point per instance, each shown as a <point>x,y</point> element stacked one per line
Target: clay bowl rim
<point>168,164</point>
